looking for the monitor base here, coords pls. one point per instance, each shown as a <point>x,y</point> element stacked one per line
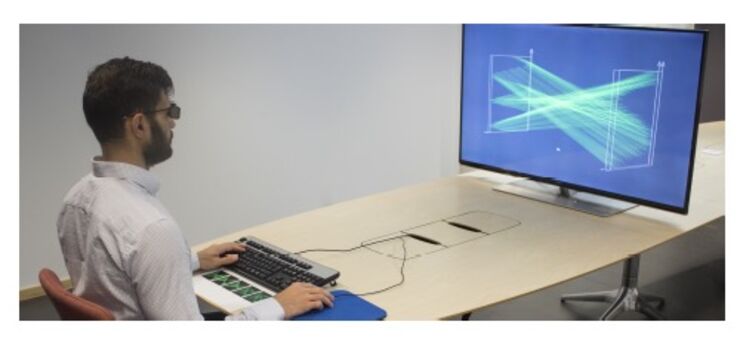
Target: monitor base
<point>568,198</point>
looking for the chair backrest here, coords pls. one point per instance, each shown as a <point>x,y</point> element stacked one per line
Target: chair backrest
<point>68,305</point>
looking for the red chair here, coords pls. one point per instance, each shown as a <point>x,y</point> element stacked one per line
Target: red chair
<point>68,305</point>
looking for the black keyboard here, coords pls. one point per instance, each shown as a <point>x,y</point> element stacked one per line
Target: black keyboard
<point>275,268</point>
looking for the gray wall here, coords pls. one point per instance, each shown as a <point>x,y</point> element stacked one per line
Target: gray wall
<point>277,119</point>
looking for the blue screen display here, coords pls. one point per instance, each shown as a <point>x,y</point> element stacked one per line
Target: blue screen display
<point>609,109</point>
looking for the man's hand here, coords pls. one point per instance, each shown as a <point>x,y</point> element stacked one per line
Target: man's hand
<point>301,297</point>
<point>218,255</point>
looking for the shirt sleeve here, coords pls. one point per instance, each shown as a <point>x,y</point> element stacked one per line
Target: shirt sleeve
<point>194,261</point>
<point>160,270</point>
<point>268,309</point>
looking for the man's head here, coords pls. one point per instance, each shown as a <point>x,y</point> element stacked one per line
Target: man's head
<point>126,104</point>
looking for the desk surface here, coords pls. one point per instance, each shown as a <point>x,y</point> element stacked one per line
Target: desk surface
<point>549,244</point>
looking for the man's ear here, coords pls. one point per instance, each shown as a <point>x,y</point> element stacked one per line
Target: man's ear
<point>138,125</point>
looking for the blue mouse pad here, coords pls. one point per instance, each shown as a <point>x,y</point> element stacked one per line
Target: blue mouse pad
<point>347,306</point>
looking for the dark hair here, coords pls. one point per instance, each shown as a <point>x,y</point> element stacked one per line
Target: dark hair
<point>119,87</point>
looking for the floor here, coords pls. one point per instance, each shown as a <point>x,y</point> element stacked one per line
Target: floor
<point>689,272</point>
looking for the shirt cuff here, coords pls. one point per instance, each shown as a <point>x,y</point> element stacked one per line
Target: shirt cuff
<point>194,262</point>
<point>268,309</point>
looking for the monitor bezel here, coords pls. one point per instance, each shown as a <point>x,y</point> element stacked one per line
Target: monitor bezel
<point>677,209</point>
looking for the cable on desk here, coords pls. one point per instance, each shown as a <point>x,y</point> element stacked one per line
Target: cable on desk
<point>403,276</point>
<point>363,244</point>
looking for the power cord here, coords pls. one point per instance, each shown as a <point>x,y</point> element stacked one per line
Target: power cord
<point>362,245</point>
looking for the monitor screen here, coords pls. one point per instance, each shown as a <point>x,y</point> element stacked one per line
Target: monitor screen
<point>607,110</point>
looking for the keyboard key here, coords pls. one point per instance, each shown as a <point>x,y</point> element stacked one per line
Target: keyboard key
<point>257,297</point>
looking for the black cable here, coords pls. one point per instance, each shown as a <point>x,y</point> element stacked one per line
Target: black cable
<point>362,245</point>
<point>403,276</point>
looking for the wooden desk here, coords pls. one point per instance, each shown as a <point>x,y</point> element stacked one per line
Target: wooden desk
<point>550,245</point>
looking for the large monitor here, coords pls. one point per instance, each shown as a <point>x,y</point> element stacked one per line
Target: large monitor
<point>605,110</point>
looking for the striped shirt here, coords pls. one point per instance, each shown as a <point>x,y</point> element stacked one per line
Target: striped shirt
<point>124,251</point>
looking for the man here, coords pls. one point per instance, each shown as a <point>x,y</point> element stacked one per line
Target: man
<point>122,248</point>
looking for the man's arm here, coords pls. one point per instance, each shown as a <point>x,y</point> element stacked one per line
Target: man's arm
<point>161,273</point>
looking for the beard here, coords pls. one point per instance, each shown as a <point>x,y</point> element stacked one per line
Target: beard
<point>160,148</point>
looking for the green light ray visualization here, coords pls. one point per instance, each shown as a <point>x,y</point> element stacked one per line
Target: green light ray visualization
<point>588,116</point>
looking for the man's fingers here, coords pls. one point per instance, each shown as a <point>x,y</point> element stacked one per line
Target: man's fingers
<point>226,250</point>
<point>231,246</point>
<point>228,259</point>
<point>318,294</point>
<point>326,300</point>
<point>322,292</point>
<point>315,290</point>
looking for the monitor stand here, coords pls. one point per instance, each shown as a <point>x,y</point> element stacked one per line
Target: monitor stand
<point>626,298</point>
<point>557,195</point>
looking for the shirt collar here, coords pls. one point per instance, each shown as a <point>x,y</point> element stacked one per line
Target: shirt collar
<point>128,172</point>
